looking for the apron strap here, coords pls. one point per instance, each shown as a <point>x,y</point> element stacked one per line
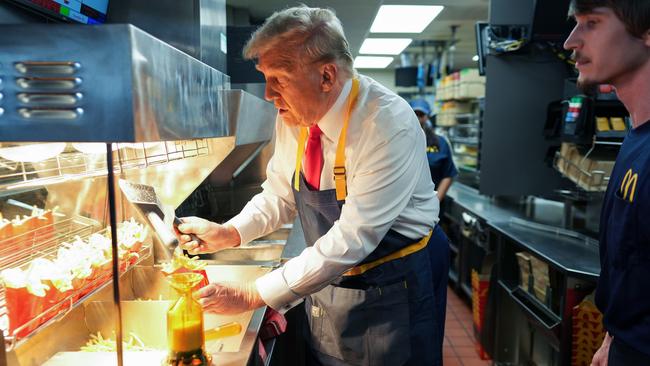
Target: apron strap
<point>354,271</point>
<point>299,154</point>
<point>339,161</point>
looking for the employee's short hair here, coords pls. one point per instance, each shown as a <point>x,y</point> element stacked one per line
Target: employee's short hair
<point>635,14</point>
<point>302,34</point>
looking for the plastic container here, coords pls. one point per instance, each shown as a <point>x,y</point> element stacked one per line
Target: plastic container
<point>185,337</point>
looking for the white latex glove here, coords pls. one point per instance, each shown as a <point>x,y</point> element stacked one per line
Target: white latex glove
<point>601,356</point>
<point>213,236</point>
<point>229,298</point>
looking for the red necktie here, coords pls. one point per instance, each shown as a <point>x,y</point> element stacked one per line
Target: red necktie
<point>313,157</point>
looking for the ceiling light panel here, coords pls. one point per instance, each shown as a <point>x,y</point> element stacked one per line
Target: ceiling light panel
<point>384,46</point>
<point>372,62</point>
<point>404,18</point>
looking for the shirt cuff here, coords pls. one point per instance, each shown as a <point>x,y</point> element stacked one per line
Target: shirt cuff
<point>243,227</point>
<point>275,292</point>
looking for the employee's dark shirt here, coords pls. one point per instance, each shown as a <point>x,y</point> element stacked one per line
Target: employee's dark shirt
<point>623,293</point>
<point>439,156</point>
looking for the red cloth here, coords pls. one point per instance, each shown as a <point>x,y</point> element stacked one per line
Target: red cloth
<point>313,157</point>
<point>273,325</point>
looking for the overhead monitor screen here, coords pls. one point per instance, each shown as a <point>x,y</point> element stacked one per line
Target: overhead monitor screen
<point>81,11</point>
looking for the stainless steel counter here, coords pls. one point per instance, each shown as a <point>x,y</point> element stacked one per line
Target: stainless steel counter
<point>573,255</point>
<point>569,253</point>
<point>485,207</point>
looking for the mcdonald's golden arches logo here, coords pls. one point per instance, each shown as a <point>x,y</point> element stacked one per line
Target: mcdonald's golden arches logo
<point>628,186</point>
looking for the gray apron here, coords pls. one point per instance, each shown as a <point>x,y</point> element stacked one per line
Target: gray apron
<point>384,316</point>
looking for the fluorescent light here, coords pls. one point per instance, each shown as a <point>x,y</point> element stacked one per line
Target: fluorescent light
<point>404,18</point>
<point>372,62</point>
<point>475,58</point>
<point>384,46</point>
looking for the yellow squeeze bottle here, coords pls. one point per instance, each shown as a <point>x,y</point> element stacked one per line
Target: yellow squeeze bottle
<point>185,337</point>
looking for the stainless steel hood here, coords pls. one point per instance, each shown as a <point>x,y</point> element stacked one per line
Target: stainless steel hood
<point>104,83</point>
<point>116,83</point>
<point>251,122</point>
<point>251,119</point>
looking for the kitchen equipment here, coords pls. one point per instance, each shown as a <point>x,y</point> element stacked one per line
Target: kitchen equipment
<point>167,117</point>
<point>185,337</point>
<point>145,200</point>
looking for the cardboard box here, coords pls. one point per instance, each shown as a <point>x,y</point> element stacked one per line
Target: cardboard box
<point>590,173</point>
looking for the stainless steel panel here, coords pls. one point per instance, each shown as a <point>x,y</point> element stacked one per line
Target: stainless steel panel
<point>251,119</point>
<point>135,87</point>
<point>175,96</point>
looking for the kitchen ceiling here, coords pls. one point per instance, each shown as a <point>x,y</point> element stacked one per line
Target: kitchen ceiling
<point>357,16</point>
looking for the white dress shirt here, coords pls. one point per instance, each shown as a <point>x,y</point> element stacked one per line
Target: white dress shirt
<point>389,187</point>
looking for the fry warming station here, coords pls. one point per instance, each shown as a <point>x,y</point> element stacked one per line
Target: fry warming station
<point>81,268</point>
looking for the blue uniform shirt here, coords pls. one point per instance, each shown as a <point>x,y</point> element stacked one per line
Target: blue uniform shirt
<point>441,163</point>
<point>623,293</point>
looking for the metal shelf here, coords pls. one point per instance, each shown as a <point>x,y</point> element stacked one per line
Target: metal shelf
<point>467,169</point>
<point>73,164</point>
<point>610,143</point>
<point>475,156</point>
<point>463,141</point>
<point>593,181</point>
<point>466,125</point>
<point>467,116</point>
<point>44,242</point>
<point>532,307</point>
<point>460,125</point>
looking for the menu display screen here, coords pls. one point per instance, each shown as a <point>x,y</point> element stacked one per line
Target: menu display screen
<point>82,11</point>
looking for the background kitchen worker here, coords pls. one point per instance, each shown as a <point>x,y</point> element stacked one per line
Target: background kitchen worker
<point>441,163</point>
<point>611,45</point>
<point>348,160</point>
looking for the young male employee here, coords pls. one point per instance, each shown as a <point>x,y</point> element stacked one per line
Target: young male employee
<point>611,45</point>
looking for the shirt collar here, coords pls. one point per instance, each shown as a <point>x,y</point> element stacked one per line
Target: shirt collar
<point>332,121</point>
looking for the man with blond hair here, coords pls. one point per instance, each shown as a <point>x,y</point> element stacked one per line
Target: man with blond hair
<point>350,161</point>
<point>611,45</point>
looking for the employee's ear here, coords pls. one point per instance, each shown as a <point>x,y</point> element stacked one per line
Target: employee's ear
<point>329,73</point>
